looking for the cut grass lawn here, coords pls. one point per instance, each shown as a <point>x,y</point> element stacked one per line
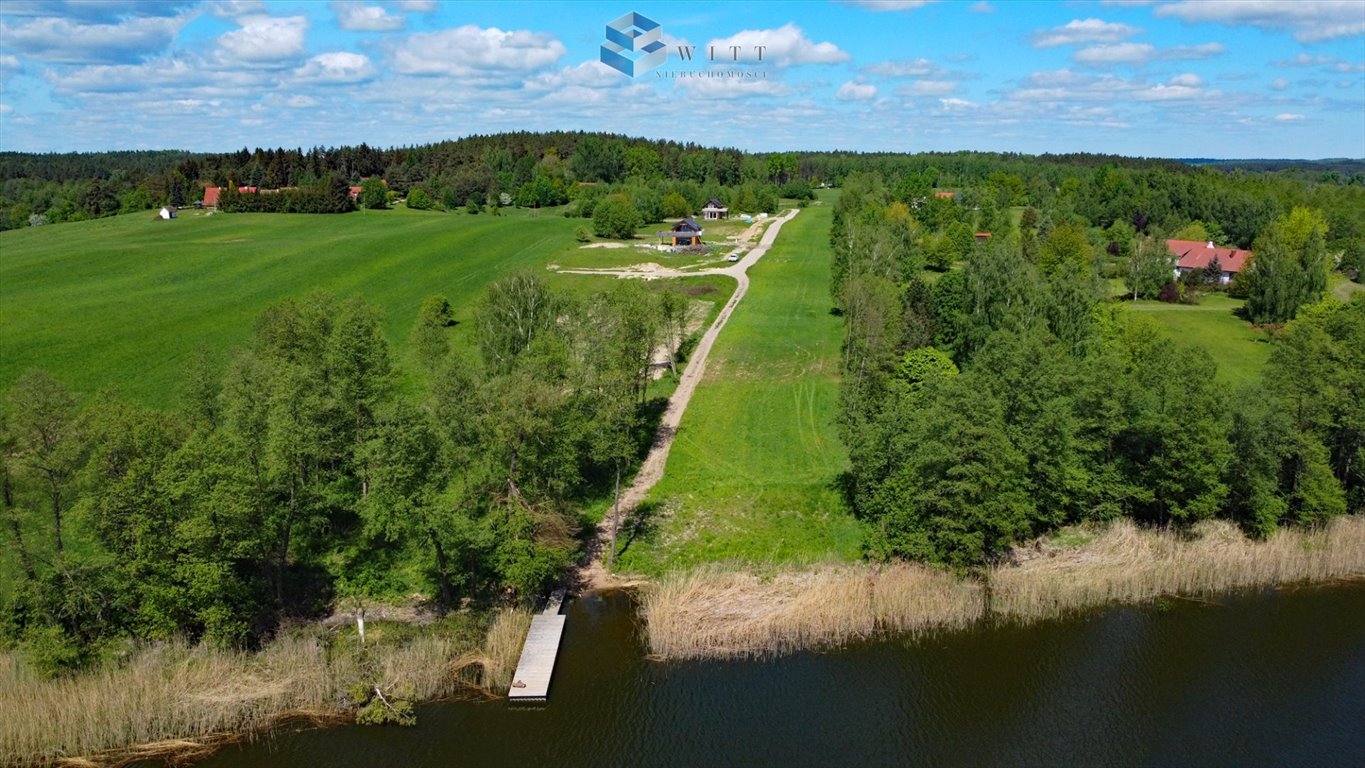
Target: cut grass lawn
<point>1240,350</point>
<point>752,472</point>
<point>125,302</point>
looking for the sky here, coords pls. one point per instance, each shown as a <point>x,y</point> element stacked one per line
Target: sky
<point>1184,78</point>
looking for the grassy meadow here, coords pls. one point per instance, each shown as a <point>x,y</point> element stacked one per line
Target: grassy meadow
<point>1240,350</point>
<point>751,474</point>
<point>125,302</point>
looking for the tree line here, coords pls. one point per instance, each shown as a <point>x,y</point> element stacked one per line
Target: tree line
<point>542,169</point>
<point>302,470</point>
<point>1009,396</point>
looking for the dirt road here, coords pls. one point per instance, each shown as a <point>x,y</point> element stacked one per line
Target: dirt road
<point>592,572</point>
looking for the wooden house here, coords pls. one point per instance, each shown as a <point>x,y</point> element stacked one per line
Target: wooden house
<point>683,234</point>
<point>714,210</point>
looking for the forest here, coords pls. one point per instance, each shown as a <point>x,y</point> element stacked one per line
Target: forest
<point>1239,199</point>
<point>298,473</point>
<point>1011,396</point>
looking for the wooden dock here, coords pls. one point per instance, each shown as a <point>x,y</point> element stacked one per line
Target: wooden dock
<point>532,679</point>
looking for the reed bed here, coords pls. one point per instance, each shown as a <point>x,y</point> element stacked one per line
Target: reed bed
<point>729,612</point>
<point>174,700</point>
<point>1124,564</point>
<point>491,668</point>
<point>717,613</point>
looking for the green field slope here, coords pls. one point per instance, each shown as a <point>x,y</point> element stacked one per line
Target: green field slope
<point>125,302</point>
<point>1240,350</point>
<point>752,472</point>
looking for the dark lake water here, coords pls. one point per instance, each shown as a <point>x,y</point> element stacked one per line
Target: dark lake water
<point>1271,678</point>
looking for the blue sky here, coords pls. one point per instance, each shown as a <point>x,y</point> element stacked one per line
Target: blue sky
<point>1186,78</point>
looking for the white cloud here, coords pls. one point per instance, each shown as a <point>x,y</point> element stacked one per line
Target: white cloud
<point>587,74</point>
<point>852,91</point>
<point>417,6</point>
<point>1142,53</point>
<point>727,88</point>
<point>908,68</point>
<point>336,67</point>
<point>890,5</point>
<point>1309,20</point>
<point>983,7</point>
<point>129,78</point>
<point>1178,88</point>
<point>471,50</point>
<point>365,18</point>
<point>1063,85</point>
<point>9,64</point>
<point>1279,84</point>
<point>1331,63</point>
<point>5,109</point>
<point>231,9</point>
<point>927,88</point>
<point>73,42</point>
<point>1119,53</point>
<point>785,46</point>
<point>956,105</point>
<point>1079,31</point>
<point>263,39</point>
<point>1290,117</point>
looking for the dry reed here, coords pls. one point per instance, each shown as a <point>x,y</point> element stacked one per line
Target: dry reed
<point>491,669</point>
<point>722,613</point>
<point>173,700</point>
<point>713,613</point>
<point>1124,564</point>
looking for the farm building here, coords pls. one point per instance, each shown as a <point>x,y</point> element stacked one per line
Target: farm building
<point>684,233</point>
<point>1193,254</point>
<point>714,210</point>
<point>211,195</point>
<point>166,212</point>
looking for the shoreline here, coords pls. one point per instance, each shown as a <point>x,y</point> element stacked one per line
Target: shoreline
<point>175,702</point>
<point>722,613</point>
<point>709,614</point>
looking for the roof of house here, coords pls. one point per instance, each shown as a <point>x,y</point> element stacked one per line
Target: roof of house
<point>687,224</point>
<point>211,196</point>
<point>1194,254</point>
<point>714,204</point>
<point>945,194</point>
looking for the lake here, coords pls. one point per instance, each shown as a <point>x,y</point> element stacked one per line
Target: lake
<point>1265,678</point>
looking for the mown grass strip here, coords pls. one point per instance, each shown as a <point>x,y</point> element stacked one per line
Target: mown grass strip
<point>752,473</point>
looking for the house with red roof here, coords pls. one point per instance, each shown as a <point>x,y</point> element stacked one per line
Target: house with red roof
<point>1194,254</point>
<point>211,194</point>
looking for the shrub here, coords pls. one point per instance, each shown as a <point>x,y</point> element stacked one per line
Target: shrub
<point>1169,293</point>
<point>582,235</point>
<point>615,218</point>
<point>419,200</point>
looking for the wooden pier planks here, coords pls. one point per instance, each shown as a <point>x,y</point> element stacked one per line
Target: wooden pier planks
<point>537,661</point>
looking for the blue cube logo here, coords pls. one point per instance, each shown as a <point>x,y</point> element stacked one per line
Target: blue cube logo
<point>633,46</point>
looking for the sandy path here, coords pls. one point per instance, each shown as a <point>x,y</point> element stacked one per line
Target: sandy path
<point>592,573</point>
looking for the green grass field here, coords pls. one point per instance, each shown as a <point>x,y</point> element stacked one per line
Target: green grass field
<point>1240,350</point>
<point>125,302</point>
<point>752,471</point>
